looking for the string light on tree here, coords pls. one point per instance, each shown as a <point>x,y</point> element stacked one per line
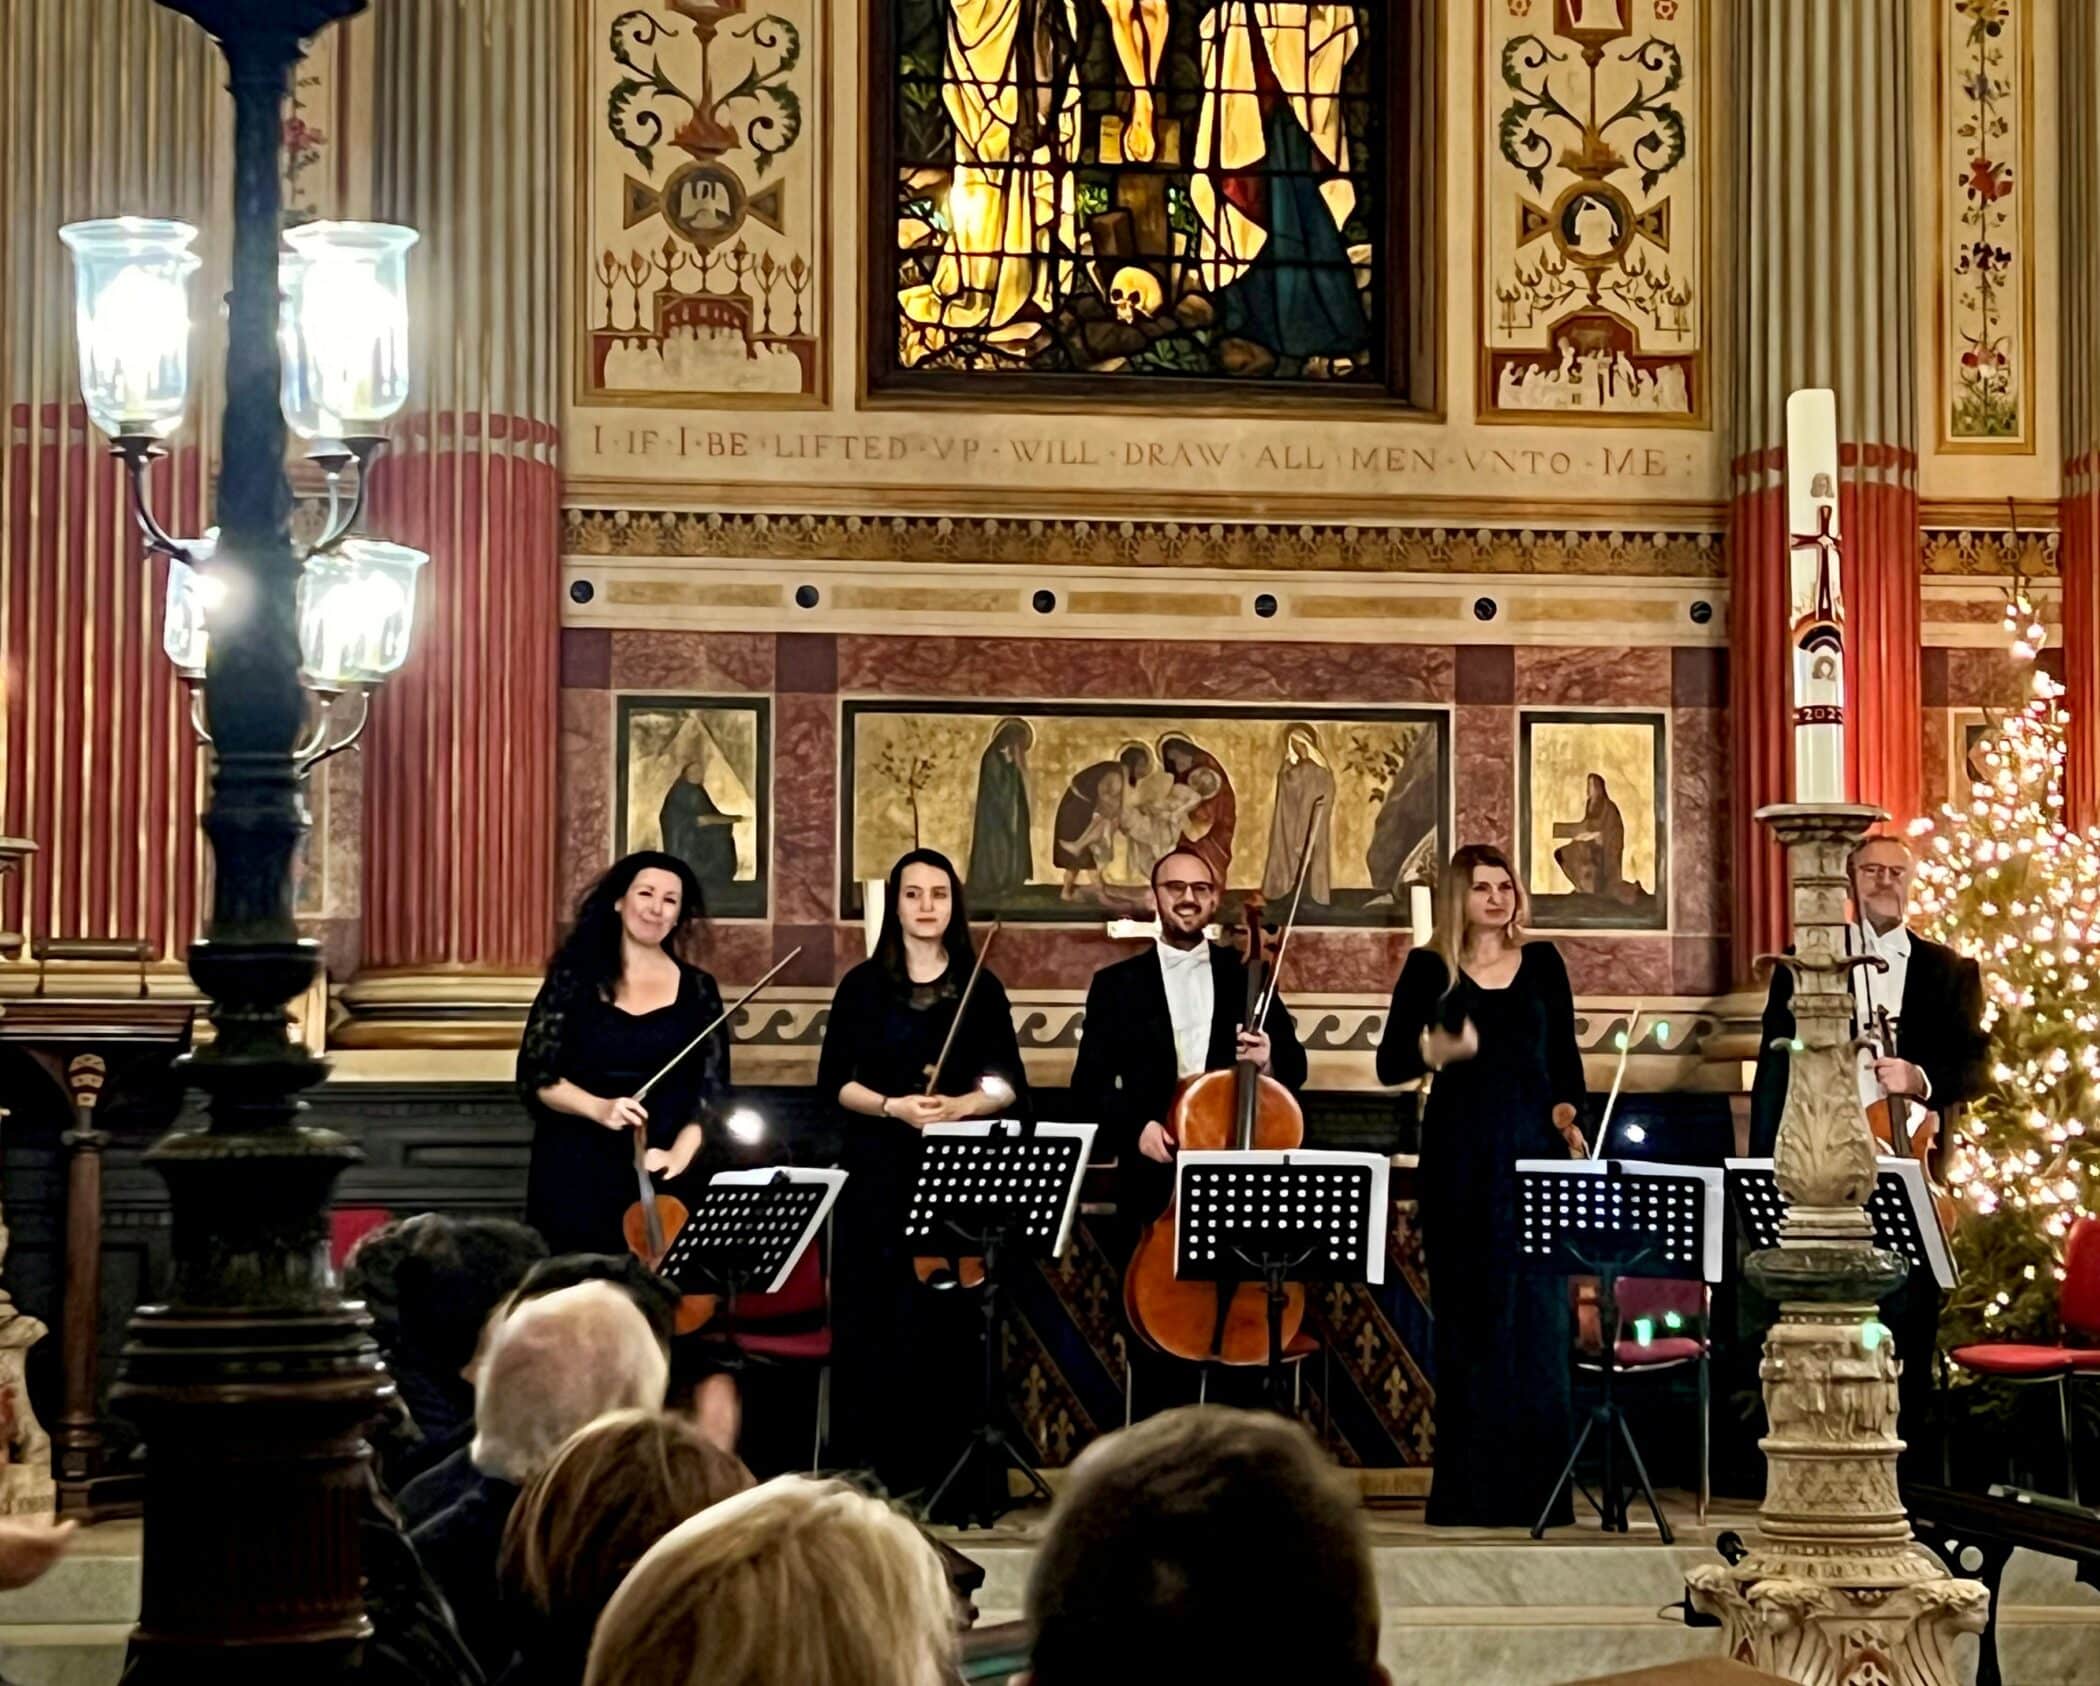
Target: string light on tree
<point>2003,879</point>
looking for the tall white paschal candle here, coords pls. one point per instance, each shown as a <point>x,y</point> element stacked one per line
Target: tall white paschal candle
<point>1817,607</point>
<point>1420,914</point>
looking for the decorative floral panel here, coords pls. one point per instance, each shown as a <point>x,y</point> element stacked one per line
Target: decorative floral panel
<point>1592,208</point>
<point>1986,267</point>
<point>702,211</point>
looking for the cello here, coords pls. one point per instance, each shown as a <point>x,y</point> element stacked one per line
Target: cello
<point>651,1223</point>
<point>1241,1109</point>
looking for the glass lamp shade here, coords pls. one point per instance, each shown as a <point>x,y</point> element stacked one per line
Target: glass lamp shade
<point>357,605</point>
<point>344,326</point>
<point>193,592</point>
<point>131,313</point>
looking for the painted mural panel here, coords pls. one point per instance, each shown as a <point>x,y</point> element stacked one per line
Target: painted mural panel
<point>1986,268</point>
<point>702,208</point>
<point>1057,812</point>
<point>1592,237</point>
<point>695,781</point>
<point>1593,830</point>
<point>1141,188</point>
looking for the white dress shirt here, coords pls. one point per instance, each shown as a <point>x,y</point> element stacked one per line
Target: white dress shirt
<point>1191,999</point>
<point>1871,989</point>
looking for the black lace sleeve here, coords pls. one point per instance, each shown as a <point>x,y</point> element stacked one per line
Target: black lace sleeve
<point>540,1053</point>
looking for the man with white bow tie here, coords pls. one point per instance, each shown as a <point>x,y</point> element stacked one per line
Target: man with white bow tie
<point>1162,1015</point>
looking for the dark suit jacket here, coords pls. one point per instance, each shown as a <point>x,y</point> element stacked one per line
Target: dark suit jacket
<point>1126,1071</point>
<point>1938,1027</point>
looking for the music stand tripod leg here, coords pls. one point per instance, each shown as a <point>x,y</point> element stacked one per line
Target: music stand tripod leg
<point>1567,1478</point>
<point>1640,1471</point>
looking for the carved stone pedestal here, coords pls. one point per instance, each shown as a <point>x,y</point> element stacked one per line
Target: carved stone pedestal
<point>26,1487</point>
<point>1837,1592</point>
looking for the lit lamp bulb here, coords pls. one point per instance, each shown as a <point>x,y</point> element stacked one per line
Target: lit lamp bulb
<point>343,326</point>
<point>1635,1134</point>
<point>746,1124</point>
<point>996,1089</point>
<point>131,317</point>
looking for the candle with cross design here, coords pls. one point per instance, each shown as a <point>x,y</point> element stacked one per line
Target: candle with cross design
<point>1817,605</point>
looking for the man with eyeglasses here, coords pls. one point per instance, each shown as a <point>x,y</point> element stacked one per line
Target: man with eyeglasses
<point>1933,998</point>
<point>1163,1015</point>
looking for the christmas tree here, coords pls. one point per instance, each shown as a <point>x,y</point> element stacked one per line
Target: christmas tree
<point>2003,879</point>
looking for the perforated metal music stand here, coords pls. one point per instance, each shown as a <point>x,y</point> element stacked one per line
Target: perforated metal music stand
<point>747,1232</point>
<point>1306,1215</point>
<point>1610,1218</point>
<point>1000,1189</point>
<point>1905,1220</point>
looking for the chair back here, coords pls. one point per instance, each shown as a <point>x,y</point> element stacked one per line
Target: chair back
<point>1657,1299</point>
<point>2078,1302</point>
<point>803,1299</point>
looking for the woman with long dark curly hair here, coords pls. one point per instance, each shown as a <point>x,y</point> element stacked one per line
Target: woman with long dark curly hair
<point>620,999</point>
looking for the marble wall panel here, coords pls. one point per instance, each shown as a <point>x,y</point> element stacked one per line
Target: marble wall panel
<point>1618,966</point>
<point>1934,786</point>
<point>1484,791</point>
<point>1195,670</point>
<point>1699,965</point>
<point>584,801</point>
<point>1594,678</point>
<point>1699,820</point>
<point>687,661</point>
<point>805,810</point>
<point>737,951</point>
<point>1986,679</point>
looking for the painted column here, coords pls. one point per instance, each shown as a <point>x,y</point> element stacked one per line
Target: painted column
<point>1824,214</point>
<point>459,769</point>
<point>2078,275</point>
<point>111,109</point>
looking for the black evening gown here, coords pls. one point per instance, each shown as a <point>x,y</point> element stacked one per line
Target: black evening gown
<point>904,1389</point>
<point>1501,1334</point>
<point>582,1177</point>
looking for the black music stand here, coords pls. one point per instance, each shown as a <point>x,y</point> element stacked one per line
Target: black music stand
<point>1905,1220</point>
<point>1609,1218</point>
<point>999,1189</point>
<point>748,1231</point>
<point>1306,1215</point>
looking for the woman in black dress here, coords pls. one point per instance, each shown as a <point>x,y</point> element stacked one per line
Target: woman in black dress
<point>1492,1017</point>
<point>888,1020</point>
<point>618,1003</point>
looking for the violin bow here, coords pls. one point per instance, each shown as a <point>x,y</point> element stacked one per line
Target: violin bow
<point>720,1019</point>
<point>933,1072</point>
<point>1290,920</point>
<point>1618,1078</point>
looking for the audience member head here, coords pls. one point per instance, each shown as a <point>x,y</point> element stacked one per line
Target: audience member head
<point>612,1491</point>
<point>1168,1533</point>
<point>796,1583</point>
<point>555,1364</point>
<point>431,1281</point>
<point>653,1297</point>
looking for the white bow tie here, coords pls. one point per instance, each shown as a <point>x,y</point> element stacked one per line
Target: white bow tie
<point>1184,959</point>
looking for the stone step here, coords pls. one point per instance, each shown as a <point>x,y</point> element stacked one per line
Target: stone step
<point>63,1653</point>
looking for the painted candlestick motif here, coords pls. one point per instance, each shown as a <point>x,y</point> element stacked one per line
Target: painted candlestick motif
<point>1817,623</point>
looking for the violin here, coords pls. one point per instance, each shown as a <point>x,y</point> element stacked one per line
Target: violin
<point>1241,1110</point>
<point>937,1271</point>
<point>1889,1119</point>
<point>654,1220</point>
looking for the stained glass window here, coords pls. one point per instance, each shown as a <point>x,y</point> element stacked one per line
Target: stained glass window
<point>1179,189</point>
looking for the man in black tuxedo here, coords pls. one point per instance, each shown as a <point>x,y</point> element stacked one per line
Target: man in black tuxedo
<point>1934,996</point>
<point>1941,1059</point>
<point>1163,1015</point>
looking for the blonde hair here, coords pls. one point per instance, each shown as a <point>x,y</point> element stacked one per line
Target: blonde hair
<point>795,1583</point>
<point>614,1489</point>
<point>1448,941</point>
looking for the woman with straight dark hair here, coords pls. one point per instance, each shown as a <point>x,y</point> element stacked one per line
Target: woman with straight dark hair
<point>619,1001</point>
<point>888,1022</point>
<point>1488,1017</point>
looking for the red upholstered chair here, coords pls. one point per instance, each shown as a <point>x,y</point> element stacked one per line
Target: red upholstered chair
<point>2077,1353</point>
<point>348,1225</point>
<point>794,1327</point>
<point>1663,1327</point>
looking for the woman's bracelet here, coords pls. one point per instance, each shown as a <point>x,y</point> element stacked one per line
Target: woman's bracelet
<point>884,1109</point>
